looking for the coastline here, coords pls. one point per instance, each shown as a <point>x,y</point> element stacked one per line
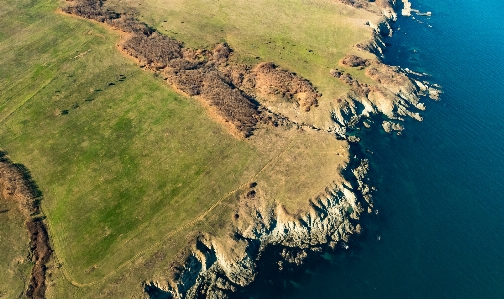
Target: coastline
<point>206,271</point>
<point>437,215</point>
<point>214,268</point>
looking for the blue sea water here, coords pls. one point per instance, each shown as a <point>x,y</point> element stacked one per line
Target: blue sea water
<point>440,185</point>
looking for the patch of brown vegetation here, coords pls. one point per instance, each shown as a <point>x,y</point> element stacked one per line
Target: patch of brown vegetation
<point>40,255</point>
<point>354,61</point>
<point>154,50</point>
<point>272,80</point>
<point>230,88</point>
<point>17,185</point>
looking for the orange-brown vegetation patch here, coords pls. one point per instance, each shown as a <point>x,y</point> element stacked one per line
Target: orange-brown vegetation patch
<point>354,61</point>
<point>40,254</point>
<point>154,50</point>
<point>230,88</point>
<point>272,80</point>
<point>16,185</point>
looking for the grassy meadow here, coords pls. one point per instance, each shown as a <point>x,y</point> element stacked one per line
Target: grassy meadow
<point>129,168</point>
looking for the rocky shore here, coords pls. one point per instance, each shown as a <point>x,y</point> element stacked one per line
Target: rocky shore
<point>211,271</point>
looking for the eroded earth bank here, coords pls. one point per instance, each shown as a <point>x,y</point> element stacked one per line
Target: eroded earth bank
<point>17,186</point>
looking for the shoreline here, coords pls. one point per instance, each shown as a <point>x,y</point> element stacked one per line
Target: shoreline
<point>191,284</point>
<point>332,218</point>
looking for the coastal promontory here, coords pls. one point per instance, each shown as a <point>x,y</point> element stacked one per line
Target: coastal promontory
<point>155,149</point>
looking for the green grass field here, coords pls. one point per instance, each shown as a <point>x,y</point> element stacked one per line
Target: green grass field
<point>128,167</point>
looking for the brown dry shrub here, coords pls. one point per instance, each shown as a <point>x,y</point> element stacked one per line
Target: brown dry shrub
<point>188,81</point>
<point>90,9</point>
<point>353,61</point>
<point>275,81</point>
<point>155,50</point>
<point>241,76</point>
<point>232,104</point>
<point>179,64</point>
<point>128,23</point>
<point>16,184</point>
<point>220,53</point>
<point>40,253</point>
<point>195,55</point>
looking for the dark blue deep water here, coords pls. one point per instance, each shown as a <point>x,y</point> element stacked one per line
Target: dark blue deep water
<point>440,185</point>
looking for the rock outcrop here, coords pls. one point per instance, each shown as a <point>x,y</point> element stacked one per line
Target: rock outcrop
<point>218,266</point>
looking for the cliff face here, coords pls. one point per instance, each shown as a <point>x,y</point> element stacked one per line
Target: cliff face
<point>394,94</point>
<point>218,266</point>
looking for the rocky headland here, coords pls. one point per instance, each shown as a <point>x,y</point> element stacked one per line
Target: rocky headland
<point>215,266</point>
<point>239,96</point>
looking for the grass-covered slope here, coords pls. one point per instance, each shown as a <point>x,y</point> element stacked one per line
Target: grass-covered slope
<point>129,168</point>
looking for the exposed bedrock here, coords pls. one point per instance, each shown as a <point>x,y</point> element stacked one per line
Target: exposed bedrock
<point>218,266</point>
<point>393,93</point>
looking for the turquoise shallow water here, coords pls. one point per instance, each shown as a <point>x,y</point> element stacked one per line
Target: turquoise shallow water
<point>440,184</point>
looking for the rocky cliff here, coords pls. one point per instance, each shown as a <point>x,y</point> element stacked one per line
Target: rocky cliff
<point>216,266</point>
